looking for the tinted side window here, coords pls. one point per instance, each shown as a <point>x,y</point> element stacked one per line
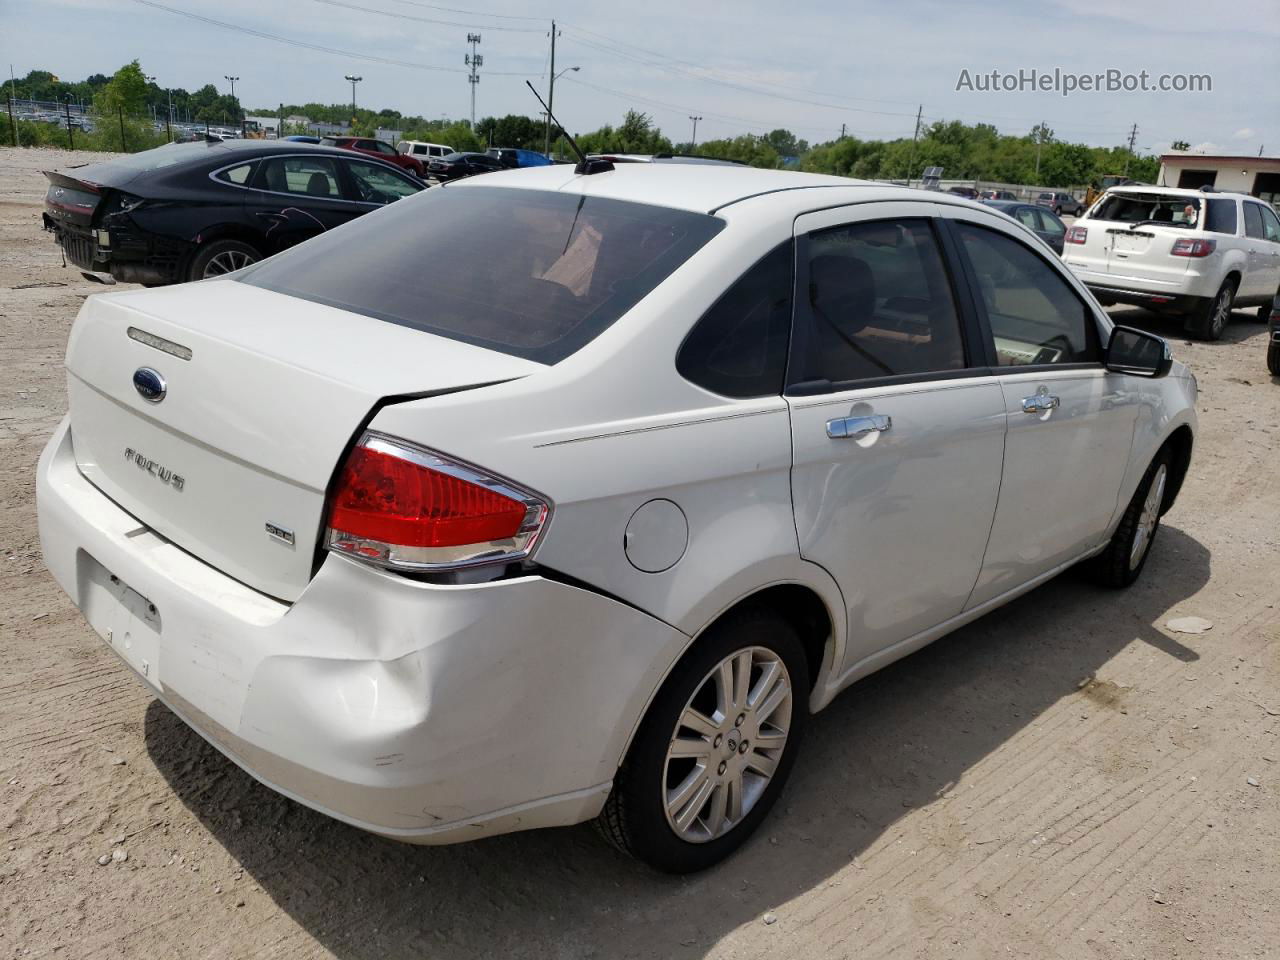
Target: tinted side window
<point>739,347</point>
<point>880,305</point>
<point>237,175</point>
<point>1050,224</point>
<point>1222,217</point>
<point>1035,316</point>
<point>1270,224</point>
<point>311,176</point>
<point>374,183</point>
<point>1027,217</point>
<point>1253,220</point>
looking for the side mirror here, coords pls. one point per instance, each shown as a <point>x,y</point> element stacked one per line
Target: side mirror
<point>1138,353</point>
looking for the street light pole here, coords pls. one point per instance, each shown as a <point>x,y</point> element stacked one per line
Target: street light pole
<point>694,142</point>
<point>354,81</point>
<point>551,94</point>
<point>232,81</point>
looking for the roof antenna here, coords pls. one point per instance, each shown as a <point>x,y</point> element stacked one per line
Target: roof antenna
<point>584,166</point>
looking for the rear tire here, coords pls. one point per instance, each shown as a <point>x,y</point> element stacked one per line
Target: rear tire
<point>1212,316</point>
<point>1273,358</point>
<point>1265,309</point>
<point>1126,554</point>
<point>719,762</point>
<point>221,257</point>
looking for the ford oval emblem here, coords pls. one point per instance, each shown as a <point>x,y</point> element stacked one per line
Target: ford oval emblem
<point>149,384</point>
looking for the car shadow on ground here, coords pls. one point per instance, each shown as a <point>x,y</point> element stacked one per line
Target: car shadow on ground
<point>894,742</point>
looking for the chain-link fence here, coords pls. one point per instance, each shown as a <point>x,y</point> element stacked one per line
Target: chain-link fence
<point>74,126</point>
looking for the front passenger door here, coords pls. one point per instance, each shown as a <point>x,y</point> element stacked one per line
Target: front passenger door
<point>1070,421</point>
<point>897,433</point>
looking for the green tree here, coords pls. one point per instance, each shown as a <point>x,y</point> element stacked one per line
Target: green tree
<point>126,91</point>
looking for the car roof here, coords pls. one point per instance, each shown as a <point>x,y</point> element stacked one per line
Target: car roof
<point>1177,191</point>
<point>706,189</point>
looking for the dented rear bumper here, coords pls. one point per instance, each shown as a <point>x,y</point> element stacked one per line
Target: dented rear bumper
<point>420,711</point>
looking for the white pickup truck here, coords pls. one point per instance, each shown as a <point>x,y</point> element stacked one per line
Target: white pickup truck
<point>1195,253</point>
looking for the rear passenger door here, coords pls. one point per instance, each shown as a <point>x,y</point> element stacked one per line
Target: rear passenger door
<point>897,427</point>
<point>293,198</point>
<point>1070,421</point>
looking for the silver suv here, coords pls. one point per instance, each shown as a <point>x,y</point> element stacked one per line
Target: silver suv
<point>1060,203</point>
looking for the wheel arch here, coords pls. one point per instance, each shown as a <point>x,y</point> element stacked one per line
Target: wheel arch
<point>815,610</point>
<point>230,231</point>
<point>1179,443</point>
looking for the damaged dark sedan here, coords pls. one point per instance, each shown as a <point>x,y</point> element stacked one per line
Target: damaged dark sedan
<point>196,210</point>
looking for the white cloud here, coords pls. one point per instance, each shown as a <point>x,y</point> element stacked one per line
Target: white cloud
<point>1207,147</point>
<point>1244,133</point>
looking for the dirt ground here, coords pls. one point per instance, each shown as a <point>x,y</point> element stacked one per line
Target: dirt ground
<point>1066,778</point>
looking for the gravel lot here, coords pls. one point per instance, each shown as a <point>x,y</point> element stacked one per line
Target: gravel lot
<point>1066,778</point>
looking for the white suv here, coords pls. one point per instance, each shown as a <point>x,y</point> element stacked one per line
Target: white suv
<point>1196,253</point>
<point>579,502</point>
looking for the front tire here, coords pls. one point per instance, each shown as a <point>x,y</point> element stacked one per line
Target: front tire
<point>1211,318</point>
<point>1273,357</point>
<point>1120,564</point>
<point>221,257</point>
<point>714,748</point>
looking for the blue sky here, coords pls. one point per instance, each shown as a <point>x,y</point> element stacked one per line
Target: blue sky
<point>747,66</point>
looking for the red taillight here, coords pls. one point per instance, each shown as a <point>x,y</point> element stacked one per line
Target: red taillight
<point>1077,234</point>
<point>402,506</point>
<point>1187,247</point>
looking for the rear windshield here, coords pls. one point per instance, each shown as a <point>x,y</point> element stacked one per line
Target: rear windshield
<point>125,167</point>
<point>1155,208</point>
<point>531,273</point>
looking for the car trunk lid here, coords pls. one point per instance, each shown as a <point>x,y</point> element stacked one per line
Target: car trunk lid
<point>1131,237</point>
<point>262,395</point>
<point>71,201</point>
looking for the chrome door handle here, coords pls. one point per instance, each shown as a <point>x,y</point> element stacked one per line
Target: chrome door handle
<point>1040,403</point>
<point>850,428</point>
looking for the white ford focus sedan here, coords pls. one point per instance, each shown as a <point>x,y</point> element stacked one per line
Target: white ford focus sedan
<point>578,503</point>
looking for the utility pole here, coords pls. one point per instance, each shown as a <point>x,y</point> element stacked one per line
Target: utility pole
<point>694,142</point>
<point>1039,140</point>
<point>1133,137</point>
<point>914,137</point>
<point>842,130</point>
<point>475,61</point>
<point>354,81</point>
<point>551,95</point>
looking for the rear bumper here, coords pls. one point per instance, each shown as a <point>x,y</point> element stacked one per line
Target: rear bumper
<point>130,257</point>
<point>424,712</point>
<point>1164,290</point>
<point>1173,302</point>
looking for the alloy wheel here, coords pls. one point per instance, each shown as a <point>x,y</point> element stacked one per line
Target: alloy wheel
<point>227,262</point>
<point>1221,311</point>
<point>727,744</point>
<point>1150,516</point>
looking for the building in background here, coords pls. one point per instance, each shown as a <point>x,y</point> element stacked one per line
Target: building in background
<point>1257,176</point>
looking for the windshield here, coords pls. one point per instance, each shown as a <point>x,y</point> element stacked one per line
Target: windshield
<point>535,274</point>
<point>1159,208</point>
